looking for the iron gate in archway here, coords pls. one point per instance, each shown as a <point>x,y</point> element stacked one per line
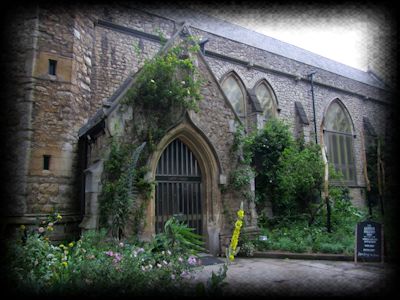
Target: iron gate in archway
<point>178,191</point>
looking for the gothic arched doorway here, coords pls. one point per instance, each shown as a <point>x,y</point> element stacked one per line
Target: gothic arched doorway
<point>178,190</point>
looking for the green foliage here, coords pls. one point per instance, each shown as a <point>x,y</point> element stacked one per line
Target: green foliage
<point>163,88</point>
<point>299,177</point>
<point>241,177</point>
<point>96,266</point>
<point>267,147</point>
<point>180,237</point>
<point>165,81</point>
<point>294,233</point>
<point>117,195</point>
<point>289,175</point>
<point>217,281</point>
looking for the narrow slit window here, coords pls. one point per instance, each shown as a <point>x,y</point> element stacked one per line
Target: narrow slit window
<point>46,162</point>
<point>52,67</point>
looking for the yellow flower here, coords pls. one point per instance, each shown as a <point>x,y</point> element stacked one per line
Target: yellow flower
<point>71,244</point>
<point>236,233</point>
<point>59,217</point>
<point>238,224</point>
<point>61,246</point>
<point>49,228</point>
<point>65,264</point>
<point>22,227</point>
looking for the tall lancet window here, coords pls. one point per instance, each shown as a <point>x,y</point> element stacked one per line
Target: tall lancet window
<point>267,100</point>
<point>234,91</point>
<point>338,138</point>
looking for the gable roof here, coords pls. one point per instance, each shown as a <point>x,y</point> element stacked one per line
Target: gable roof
<point>114,100</point>
<point>243,35</point>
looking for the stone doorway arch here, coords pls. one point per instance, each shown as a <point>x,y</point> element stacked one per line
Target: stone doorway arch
<point>210,170</point>
<point>178,191</point>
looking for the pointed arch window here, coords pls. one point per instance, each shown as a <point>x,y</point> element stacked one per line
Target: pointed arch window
<point>267,100</point>
<point>234,91</point>
<point>338,138</point>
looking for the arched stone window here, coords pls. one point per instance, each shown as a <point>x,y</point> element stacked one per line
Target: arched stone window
<point>267,100</point>
<point>235,92</point>
<point>338,137</point>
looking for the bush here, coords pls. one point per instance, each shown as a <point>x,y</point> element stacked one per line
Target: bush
<point>97,266</point>
<point>299,178</point>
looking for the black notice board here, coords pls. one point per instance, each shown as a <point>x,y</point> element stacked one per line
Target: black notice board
<point>369,242</point>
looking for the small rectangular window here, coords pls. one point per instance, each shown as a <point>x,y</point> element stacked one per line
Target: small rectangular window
<point>52,67</point>
<point>46,162</point>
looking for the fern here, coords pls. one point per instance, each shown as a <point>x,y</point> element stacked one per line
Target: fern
<point>132,168</point>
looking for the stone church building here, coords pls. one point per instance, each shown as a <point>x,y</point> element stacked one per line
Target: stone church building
<point>73,65</point>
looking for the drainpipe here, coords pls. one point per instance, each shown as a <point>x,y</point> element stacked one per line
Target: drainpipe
<point>313,104</point>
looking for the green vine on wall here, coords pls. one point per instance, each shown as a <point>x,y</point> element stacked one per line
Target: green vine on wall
<point>241,177</point>
<point>165,87</point>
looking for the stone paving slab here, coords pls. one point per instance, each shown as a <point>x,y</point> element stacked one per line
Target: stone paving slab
<point>291,277</point>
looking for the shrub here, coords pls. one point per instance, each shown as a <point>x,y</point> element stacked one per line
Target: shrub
<point>96,266</point>
<point>299,177</point>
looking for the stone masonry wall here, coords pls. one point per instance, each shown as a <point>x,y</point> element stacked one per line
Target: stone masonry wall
<point>290,89</point>
<point>19,40</point>
<point>89,70</point>
<point>93,60</point>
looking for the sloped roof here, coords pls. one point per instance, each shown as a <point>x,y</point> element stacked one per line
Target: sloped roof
<point>113,101</point>
<point>240,34</point>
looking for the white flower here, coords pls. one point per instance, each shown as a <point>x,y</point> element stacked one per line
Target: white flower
<point>169,252</point>
<point>121,244</point>
<point>158,265</point>
<point>143,268</point>
<point>183,82</point>
<point>165,262</point>
<point>152,81</point>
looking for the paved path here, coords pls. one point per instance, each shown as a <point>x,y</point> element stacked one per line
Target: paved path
<point>292,277</point>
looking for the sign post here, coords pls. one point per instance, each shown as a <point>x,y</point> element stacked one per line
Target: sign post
<point>369,242</point>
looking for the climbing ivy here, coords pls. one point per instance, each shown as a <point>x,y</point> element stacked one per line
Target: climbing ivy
<point>118,195</point>
<point>166,80</point>
<point>165,87</point>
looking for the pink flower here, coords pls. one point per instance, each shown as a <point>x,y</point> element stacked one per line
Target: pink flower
<point>110,253</point>
<point>185,274</point>
<point>117,257</point>
<point>192,260</point>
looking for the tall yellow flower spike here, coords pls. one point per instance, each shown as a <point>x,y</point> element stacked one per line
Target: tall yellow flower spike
<point>235,236</point>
